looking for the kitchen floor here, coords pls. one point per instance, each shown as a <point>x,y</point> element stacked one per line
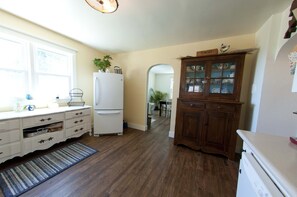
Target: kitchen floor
<point>140,164</point>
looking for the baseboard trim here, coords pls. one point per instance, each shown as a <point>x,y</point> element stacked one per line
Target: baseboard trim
<point>171,134</point>
<point>137,126</point>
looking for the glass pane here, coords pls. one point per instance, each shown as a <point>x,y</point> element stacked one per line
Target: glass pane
<point>227,86</point>
<point>216,70</point>
<point>17,87</point>
<point>190,85</point>
<point>190,71</point>
<point>12,55</point>
<point>51,86</point>
<point>229,70</point>
<point>199,86</point>
<point>215,86</point>
<point>52,62</point>
<point>200,71</point>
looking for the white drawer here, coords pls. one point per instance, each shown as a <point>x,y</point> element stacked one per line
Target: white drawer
<point>43,141</point>
<point>78,113</point>
<point>78,130</point>
<point>10,149</point>
<point>10,136</point>
<point>77,121</point>
<point>42,120</point>
<point>7,125</point>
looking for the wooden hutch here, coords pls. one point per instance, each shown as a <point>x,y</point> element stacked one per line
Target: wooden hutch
<point>208,107</point>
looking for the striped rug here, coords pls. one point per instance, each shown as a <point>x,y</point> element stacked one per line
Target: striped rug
<point>23,177</point>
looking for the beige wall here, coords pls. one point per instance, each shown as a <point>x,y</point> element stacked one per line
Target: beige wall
<point>136,65</point>
<point>85,54</point>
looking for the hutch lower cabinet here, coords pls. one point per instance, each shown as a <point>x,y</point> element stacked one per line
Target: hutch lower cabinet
<point>208,107</point>
<point>208,126</point>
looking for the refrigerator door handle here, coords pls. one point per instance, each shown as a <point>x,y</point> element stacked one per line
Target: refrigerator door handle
<point>96,91</point>
<point>107,112</point>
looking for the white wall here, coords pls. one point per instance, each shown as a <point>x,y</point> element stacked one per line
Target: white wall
<point>272,101</point>
<point>162,83</point>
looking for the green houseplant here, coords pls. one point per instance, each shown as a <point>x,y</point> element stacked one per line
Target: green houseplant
<point>156,97</point>
<point>104,63</point>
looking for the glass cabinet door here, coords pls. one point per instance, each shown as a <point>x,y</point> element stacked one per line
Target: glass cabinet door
<point>222,78</point>
<point>195,78</point>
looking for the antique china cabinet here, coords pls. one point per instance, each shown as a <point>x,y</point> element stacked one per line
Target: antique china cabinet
<point>208,107</point>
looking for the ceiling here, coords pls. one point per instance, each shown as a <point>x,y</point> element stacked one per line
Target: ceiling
<point>146,24</point>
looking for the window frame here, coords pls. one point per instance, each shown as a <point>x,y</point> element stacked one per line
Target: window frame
<point>30,45</point>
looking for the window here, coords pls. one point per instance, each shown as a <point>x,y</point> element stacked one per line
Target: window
<point>13,70</point>
<point>29,65</point>
<point>53,71</point>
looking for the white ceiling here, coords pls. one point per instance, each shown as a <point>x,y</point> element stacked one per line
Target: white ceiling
<point>145,24</point>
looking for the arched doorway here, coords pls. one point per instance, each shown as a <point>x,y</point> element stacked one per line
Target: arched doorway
<point>159,87</point>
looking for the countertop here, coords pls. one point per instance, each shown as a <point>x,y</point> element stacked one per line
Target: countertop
<point>36,112</point>
<point>277,155</point>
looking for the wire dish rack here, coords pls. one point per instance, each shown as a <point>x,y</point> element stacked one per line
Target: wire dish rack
<point>76,95</point>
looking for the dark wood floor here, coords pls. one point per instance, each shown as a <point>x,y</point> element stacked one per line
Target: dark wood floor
<point>140,164</point>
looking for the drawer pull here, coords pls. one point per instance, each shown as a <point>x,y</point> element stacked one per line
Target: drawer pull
<point>42,120</point>
<point>41,141</point>
<point>75,122</point>
<point>49,139</point>
<point>81,129</point>
<point>219,107</point>
<point>0,139</point>
<point>81,120</point>
<point>79,113</point>
<point>1,153</point>
<point>191,105</point>
<point>49,118</point>
<point>76,130</point>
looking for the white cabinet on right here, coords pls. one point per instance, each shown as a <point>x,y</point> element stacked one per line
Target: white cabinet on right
<point>78,122</point>
<point>268,165</point>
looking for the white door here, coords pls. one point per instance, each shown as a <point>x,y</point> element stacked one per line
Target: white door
<point>108,91</point>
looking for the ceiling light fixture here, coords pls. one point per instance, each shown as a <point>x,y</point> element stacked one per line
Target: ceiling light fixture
<point>104,6</point>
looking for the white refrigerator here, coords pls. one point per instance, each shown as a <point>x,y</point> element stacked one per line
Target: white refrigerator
<point>108,103</point>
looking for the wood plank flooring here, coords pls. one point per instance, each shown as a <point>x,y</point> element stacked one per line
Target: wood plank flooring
<point>140,164</point>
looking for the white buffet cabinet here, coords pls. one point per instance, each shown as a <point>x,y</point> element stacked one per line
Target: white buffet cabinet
<point>276,158</point>
<point>27,131</point>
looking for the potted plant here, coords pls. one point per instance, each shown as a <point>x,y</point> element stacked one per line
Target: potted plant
<point>156,97</point>
<point>103,64</point>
